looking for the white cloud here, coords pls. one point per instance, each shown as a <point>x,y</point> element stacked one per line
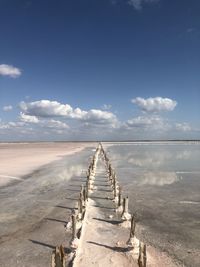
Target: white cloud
<point>47,108</point>
<point>28,118</point>
<point>7,108</point>
<point>185,127</point>
<point>11,125</point>
<point>148,123</point>
<point>55,124</point>
<point>155,104</point>
<point>8,70</point>
<point>138,4</point>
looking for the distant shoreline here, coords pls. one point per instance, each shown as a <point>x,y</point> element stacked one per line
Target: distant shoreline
<point>106,141</point>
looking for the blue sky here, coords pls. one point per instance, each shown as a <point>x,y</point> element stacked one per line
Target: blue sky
<point>86,69</point>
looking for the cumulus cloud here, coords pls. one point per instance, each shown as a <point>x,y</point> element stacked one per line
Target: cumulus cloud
<point>148,123</point>
<point>55,124</point>
<point>7,108</point>
<point>28,118</point>
<point>47,108</point>
<point>11,124</point>
<point>155,104</point>
<point>9,70</point>
<point>138,4</point>
<point>185,127</point>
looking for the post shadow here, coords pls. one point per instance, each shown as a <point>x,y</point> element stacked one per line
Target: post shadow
<point>42,244</point>
<point>55,220</point>
<point>114,222</point>
<point>115,248</point>
<point>63,207</point>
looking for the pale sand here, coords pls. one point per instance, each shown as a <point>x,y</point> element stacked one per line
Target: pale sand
<point>19,159</point>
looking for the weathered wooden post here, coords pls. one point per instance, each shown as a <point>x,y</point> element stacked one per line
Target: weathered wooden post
<point>131,240</point>
<point>58,257</point>
<point>125,214</point>
<point>140,255</point>
<point>133,225</point>
<point>80,208</point>
<point>86,190</point>
<point>73,226</point>
<point>144,255</point>
<point>120,197</point>
<point>142,259</point>
<point>84,196</point>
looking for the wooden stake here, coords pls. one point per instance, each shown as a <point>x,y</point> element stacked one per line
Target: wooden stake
<point>80,208</point>
<point>120,197</point>
<point>140,255</point>
<point>58,257</point>
<point>125,214</point>
<point>73,226</point>
<point>126,205</point>
<point>133,225</point>
<point>144,255</point>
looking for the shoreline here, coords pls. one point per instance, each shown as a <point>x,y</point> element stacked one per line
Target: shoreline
<point>18,160</point>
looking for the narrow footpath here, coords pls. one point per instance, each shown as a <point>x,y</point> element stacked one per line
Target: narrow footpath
<point>103,240</point>
<point>103,230</point>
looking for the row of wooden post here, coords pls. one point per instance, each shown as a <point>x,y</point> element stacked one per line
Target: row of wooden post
<point>123,208</point>
<point>58,254</point>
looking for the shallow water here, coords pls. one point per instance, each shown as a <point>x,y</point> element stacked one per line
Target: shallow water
<point>163,184</point>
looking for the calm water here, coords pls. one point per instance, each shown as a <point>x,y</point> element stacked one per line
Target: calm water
<point>163,184</point>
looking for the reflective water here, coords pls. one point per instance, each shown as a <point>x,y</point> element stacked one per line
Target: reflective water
<point>163,183</point>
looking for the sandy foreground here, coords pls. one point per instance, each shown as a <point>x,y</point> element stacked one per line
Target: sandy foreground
<point>34,210</point>
<point>19,159</point>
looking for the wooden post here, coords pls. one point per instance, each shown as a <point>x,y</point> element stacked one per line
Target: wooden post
<point>140,255</point>
<point>80,208</point>
<point>58,257</point>
<point>73,226</point>
<point>125,214</point>
<point>126,205</point>
<point>142,259</point>
<point>86,190</point>
<point>124,200</point>
<point>119,197</point>
<point>133,225</point>
<point>84,195</point>
<point>144,255</point>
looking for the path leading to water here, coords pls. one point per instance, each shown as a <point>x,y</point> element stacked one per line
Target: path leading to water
<point>103,240</point>
<point>103,231</point>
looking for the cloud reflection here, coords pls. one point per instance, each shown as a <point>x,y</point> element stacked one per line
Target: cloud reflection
<point>158,178</point>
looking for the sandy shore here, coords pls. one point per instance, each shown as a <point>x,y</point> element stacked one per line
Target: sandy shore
<point>19,159</point>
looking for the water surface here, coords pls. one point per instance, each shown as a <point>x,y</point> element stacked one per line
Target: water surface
<point>163,183</point>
